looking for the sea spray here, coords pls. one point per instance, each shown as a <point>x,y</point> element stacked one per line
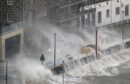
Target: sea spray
<point>33,71</point>
<point>69,44</point>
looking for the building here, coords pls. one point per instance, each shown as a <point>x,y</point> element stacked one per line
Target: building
<point>11,31</point>
<point>33,11</point>
<point>107,12</point>
<point>10,12</point>
<point>62,13</point>
<point>65,12</point>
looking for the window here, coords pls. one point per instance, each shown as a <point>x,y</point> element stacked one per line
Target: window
<point>32,1</point>
<point>117,11</point>
<point>10,2</point>
<point>107,13</point>
<point>99,17</point>
<point>93,18</point>
<point>117,0</point>
<point>86,19</point>
<point>10,17</point>
<point>126,10</point>
<point>30,18</point>
<point>107,2</point>
<point>45,11</point>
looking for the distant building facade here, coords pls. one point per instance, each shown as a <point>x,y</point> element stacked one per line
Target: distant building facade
<point>64,12</point>
<point>33,11</point>
<point>11,31</point>
<point>106,12</point>
<point>10,12</point>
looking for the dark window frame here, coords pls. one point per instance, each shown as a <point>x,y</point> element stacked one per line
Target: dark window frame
<point>10,2</point>
<point>117,10</point>
<point>107,13</point>
<point>126,10</point>
<point>10,17</point>
<point>99,17</point>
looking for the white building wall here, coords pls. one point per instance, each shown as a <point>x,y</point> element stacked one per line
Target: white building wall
<point>126,2</point>
<point>116,18</point>
<point>103,7</point>
<point>111,5</point>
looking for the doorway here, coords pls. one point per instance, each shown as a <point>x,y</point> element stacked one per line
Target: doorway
<point>12,46</point>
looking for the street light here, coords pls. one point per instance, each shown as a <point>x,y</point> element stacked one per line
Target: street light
<point>63,73</point>
<point>96,42</point>
<point>6,72</point>
<point>122,7</point>
<point>54,50</point>
<point>122,24</point>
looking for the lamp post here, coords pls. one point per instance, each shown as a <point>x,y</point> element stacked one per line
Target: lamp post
<point>122,10</point>
<point>54,50</point>
<point>96,34</point>
<point>96,41</point>
<point>63,74</point>
<point>122,24</point>
<point>6,72</point>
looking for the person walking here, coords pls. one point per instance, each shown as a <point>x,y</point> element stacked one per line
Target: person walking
<point>42,58</point>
